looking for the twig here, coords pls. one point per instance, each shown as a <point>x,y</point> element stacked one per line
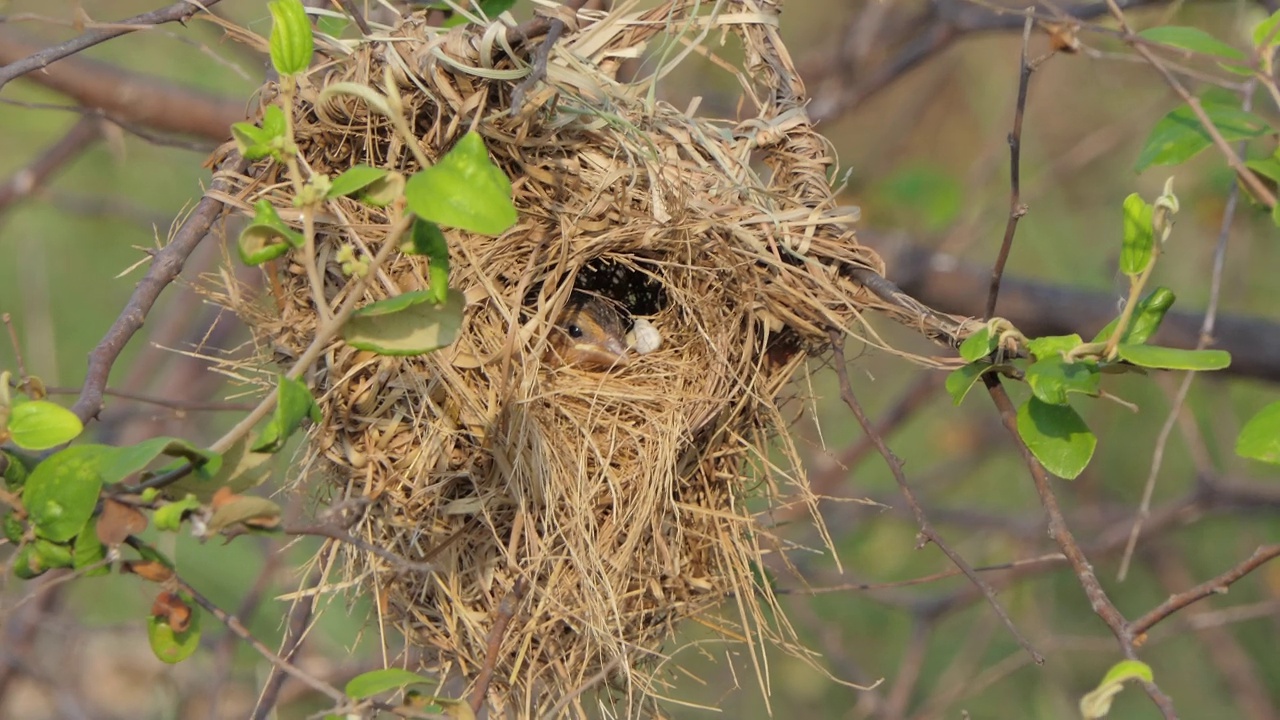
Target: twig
<point>1016,208</point>
<point>1180,397</point>
<point>1247,176</point>
<point>927,533</point>
<point>506,610</point>
<point>165,268</point>
<point>1215,586</point>
<point>538,71</point>
<point>295,633</point>
<point>178,12</point>
<point>178,405</point>
<point>1061,534</point>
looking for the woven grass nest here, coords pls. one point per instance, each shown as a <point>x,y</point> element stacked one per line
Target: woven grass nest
<point>591,512</point>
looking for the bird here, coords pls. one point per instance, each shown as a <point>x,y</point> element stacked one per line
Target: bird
<point>590,334</point>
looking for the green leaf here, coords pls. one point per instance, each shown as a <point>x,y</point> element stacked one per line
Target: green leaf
<point>1146,319</point>
<point>1057,436</point>
<point>1053,378</point>
<point>1193,40</point>
<point>962,379</point>
<point>428,240</point>
<point>50,555</point>
<point>1179,136</point>
<point>169,516</point>
<point>1163,358</point>
<point>62,491</point>
<point>240,469</point>
<point>1053,345</point>
<point>978,345</point>
<point>293,404</point>
<point>1265,32</point>
<point>89,551</point>
<point>1268,167</point>
<point>408,324</point>
<point>1097,703</point>
<point>1260,437</point>
<point>464,190</point>
<point>40,425</point>
<point>255,143</point>
<point>291,42</point>
<point>267,237</point>
<point>1137,248</point>
<point>354,180</point>
<point>15,471</point>
<point>170,646</point>
<point>121,462</point>
<point>377,682</point>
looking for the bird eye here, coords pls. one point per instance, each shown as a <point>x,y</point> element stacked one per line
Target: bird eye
<point>575,332</point>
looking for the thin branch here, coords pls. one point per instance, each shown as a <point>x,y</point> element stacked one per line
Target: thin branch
<point>179,12</point>
<point>165,268</point>
<point>134,101</point>
<point>1216,586</point>
<point>506,611</point>
<point>1058,530</point>
<point>927,533</point>
<point>1247,176</point>
<point>1016,208</point>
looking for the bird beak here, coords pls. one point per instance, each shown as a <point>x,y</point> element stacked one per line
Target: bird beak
<point>611,354</point>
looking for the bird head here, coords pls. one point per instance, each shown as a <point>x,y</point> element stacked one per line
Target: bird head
<point>590,333</point>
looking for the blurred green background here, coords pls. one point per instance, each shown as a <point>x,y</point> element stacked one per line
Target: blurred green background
<point>927,159</point>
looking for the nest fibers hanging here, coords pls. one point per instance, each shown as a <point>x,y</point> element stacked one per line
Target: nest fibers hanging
<point>588,511</point>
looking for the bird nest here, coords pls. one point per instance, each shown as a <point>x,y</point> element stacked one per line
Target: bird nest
<point>565,520</point>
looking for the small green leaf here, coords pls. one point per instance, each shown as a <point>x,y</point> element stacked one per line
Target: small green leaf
<point>169,516</point>
<point>1268,167</point>
<point>1097,703</point>
<point>52,555</point>
<point>1265,32</point>
<point>238,469</point>
<point>428,240</point>
<point>15,471</point>
<point>1146,319</point>
<point>89,551</point>
<point>174,647</point>
<point>1053,345</point>
<point>267,237</point>
<point>62,491</point>
<point>1193,40</point>
<point>962,379</point>
<point>464,190</point>
<point>1138,245</point>
<point>252,142</point>
<point>377,682</point>
<point>40,425</point>
<point>1163,358</point>
<point>291,42</point>
<point>1052,378</point>
<point>978,345</point>
<point>1179,136</point>
<point>408,324</point>
<point>489,8</point>
<point>1260,437</point>
<point>293,403</point>
<point>354,180</point>
<point>1057,436</point>
<point>121,462</point>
